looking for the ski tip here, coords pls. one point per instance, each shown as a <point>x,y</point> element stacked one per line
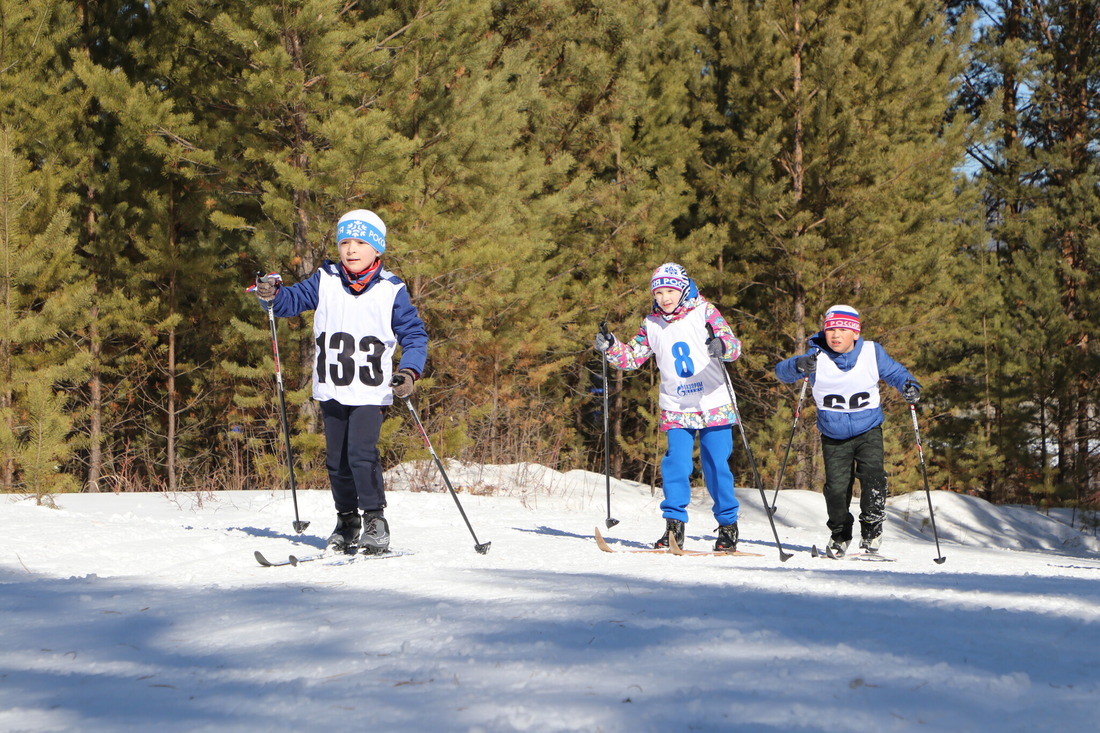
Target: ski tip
<point>601,542</point>
<point>261,559</point>
<point>814,552</point>
<point>293,561</point>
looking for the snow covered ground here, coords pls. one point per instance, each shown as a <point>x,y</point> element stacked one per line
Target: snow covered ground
<point>147,612</point>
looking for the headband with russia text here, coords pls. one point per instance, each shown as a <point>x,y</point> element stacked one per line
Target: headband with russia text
<point>842,317</point>
<point>359,229</point>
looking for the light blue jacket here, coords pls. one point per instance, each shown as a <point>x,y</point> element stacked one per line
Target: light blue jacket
<point>844,425</point>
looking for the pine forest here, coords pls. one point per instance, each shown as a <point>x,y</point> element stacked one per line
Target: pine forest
<point>933,164</point>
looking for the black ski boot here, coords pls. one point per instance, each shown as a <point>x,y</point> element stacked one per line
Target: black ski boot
<point>375,539</point>
<point>727,538</point>
<point>346,535</point>
<point>676,528</point>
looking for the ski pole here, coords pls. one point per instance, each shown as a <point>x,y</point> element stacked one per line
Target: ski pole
<point>783,556</point>
<point>787,453</point>
<point>299,525</point>
<point>480,547</point>
<point>940,559</point>
<point>606,433</point>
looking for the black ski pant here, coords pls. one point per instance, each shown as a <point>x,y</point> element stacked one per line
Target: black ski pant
<point>351,445</point>
<point>846,460</point>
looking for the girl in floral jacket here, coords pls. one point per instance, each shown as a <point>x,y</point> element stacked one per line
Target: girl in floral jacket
<point>694,400</point>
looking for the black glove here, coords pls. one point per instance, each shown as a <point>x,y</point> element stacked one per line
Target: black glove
<point>716,347</point>
<point>806,364</point>
<point>911,392</point>
<point>267,286</point>
<point>403,383</point>
<point>604,341</point>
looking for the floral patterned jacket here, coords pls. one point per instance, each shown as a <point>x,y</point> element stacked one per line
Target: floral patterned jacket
<point>632,354</point>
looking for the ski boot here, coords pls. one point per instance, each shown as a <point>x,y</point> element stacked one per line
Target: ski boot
<point>838,547</point>
<point>375,539</point>
<point>674,527</point>
<point>346,534</point>
<point>727,538</point>
<point>870,544</point>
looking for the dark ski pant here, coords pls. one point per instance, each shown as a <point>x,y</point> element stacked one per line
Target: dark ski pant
<point>351,445</point>
<point>846,460</point>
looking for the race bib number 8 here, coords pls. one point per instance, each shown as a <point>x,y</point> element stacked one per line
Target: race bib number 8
<point>685,367</point>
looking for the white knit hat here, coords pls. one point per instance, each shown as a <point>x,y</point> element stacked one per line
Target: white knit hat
<point>669,275</point>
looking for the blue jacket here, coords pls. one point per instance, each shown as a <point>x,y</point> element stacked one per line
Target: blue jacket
<point>293,300</point>
<point>844,425</point>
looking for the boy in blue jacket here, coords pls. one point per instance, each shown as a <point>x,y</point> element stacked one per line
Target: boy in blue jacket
<point>362,312</point>
<point>844,372</point>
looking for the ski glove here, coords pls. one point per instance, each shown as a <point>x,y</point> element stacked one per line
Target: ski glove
<point>911,393</point>
<point>716,347</point>
<point>267,286</point>
<point>403,383</point>
<point>604,341</point>
<point>806,364</point>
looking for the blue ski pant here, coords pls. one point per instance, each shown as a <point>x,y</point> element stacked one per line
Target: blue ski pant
<point>715,449</point>
<point>351,455</point>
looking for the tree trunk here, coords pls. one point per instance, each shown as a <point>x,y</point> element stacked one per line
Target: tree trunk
<point>95,395</point>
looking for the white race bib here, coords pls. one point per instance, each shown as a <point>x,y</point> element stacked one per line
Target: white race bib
<point>691,379</point>
<point>354,340</point>
<point>851,391</point>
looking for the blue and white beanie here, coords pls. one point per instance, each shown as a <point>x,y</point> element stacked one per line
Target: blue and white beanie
<point>364,225</point>
<point>669,275</point>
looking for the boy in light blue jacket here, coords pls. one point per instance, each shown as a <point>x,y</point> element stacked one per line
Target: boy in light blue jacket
<point>844,372</point>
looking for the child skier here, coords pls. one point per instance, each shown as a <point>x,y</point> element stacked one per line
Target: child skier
<point>844,372</point>
<point>362,312</point>
<point>694,400</point>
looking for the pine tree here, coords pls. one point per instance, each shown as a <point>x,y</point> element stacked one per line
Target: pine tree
<point>301,138</point>
<point>179,257</point>
<point>1029,86</point>
<point>73,131</point>
<point>604,124</point>
<point>42,306</point>
<point>830,163</point>
<point>44,297</point>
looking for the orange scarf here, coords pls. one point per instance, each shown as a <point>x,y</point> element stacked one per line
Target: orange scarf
<point>358,280</point>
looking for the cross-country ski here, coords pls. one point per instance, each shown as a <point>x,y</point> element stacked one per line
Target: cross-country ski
<point>333,558</point>
<point>855,556</point>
